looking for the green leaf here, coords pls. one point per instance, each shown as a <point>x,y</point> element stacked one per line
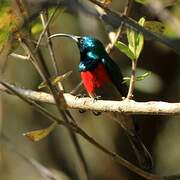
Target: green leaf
<point>139,40</point>
<point>8,23</point>
<point>155,26</point>
<point>37,28</point>
<point>131,40</point>
<point>136,40</point>
<point>125,49</point>
<point>39,134</point>
<point>138,78</point>
<point>141,1</point>
<point>142,77</point>
<point>126,79</point>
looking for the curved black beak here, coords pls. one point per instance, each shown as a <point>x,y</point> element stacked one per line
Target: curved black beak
<point>75,38</point>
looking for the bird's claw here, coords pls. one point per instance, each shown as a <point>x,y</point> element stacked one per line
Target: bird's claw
<point>96,113</point>
<point>82,111</point>
<point>96,98</point>
<point>80,96</point>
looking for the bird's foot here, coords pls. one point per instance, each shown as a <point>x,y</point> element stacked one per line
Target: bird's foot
<point>96,113</point>
<point>96,98</point>
<point>81,96</point>
<point>82,111</point>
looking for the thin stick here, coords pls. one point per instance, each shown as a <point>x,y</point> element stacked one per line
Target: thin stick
<point>49,43</point>
<point>82,162</point>
<point>19,56</point>
<point>126,12</point>
<point>132,80</point>
<point>45,26</point>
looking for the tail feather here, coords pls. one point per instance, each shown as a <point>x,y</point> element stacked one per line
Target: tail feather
<point>143,156</point>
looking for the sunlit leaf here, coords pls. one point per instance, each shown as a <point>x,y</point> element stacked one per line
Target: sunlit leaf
<point>106,2</point>
<point>136,40</point>
<point>165,3</point>
<point>37,135</point>
<point>8,23</point>
<point>131,40</point>
<point>36,28</point>
<point>56,80</point>
<point>154,26</point>
<point>125,49</point>
<point>139,39</point>
<point>142,77</point>
<point>138,78</point>
<point>141,1</point>
<point>126,80</point>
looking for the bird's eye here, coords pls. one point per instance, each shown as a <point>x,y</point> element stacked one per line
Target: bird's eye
<point>81,41</point>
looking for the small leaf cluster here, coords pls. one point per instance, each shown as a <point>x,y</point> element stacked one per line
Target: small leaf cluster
<point>134,48</point>
<point>135,43</point>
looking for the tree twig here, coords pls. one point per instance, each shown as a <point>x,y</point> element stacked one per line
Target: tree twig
<point>82,165</point>
<point>132,80</point>
<point>45,26</point>
<point>19,56</point>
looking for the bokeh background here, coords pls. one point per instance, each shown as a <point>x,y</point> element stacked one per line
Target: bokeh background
<point>159,133</point>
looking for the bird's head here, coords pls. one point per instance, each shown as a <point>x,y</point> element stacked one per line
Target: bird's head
<point>89,43</point>
<point>85,43</point>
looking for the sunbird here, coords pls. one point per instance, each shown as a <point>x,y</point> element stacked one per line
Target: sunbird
<point>102,78</point>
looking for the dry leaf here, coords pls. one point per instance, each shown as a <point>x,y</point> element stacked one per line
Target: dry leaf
<point>37,135</point>
<point>106,2</point>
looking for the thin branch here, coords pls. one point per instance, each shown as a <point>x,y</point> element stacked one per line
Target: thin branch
<point>126,12</point>
<point>19,56</point>
<point>45,26</point>
<point>77,88</point>
<point>126,106</point>
<point>132,80</point>
<point>82,161</point>
<point>49,43</point>
<point>57,96</point>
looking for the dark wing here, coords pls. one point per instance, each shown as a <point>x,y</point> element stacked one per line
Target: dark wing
<point>115,75</point>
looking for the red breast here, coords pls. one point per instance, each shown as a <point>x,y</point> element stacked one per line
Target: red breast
<point>95,78</point>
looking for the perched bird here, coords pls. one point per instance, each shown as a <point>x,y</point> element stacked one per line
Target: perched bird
<point>102,78</point>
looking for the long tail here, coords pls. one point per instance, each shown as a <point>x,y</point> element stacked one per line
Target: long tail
<point>143,156</point>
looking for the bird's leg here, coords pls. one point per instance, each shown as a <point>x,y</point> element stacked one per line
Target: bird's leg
<point>81,96</point>
<point>95,98</point>
<point>96,113</point>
